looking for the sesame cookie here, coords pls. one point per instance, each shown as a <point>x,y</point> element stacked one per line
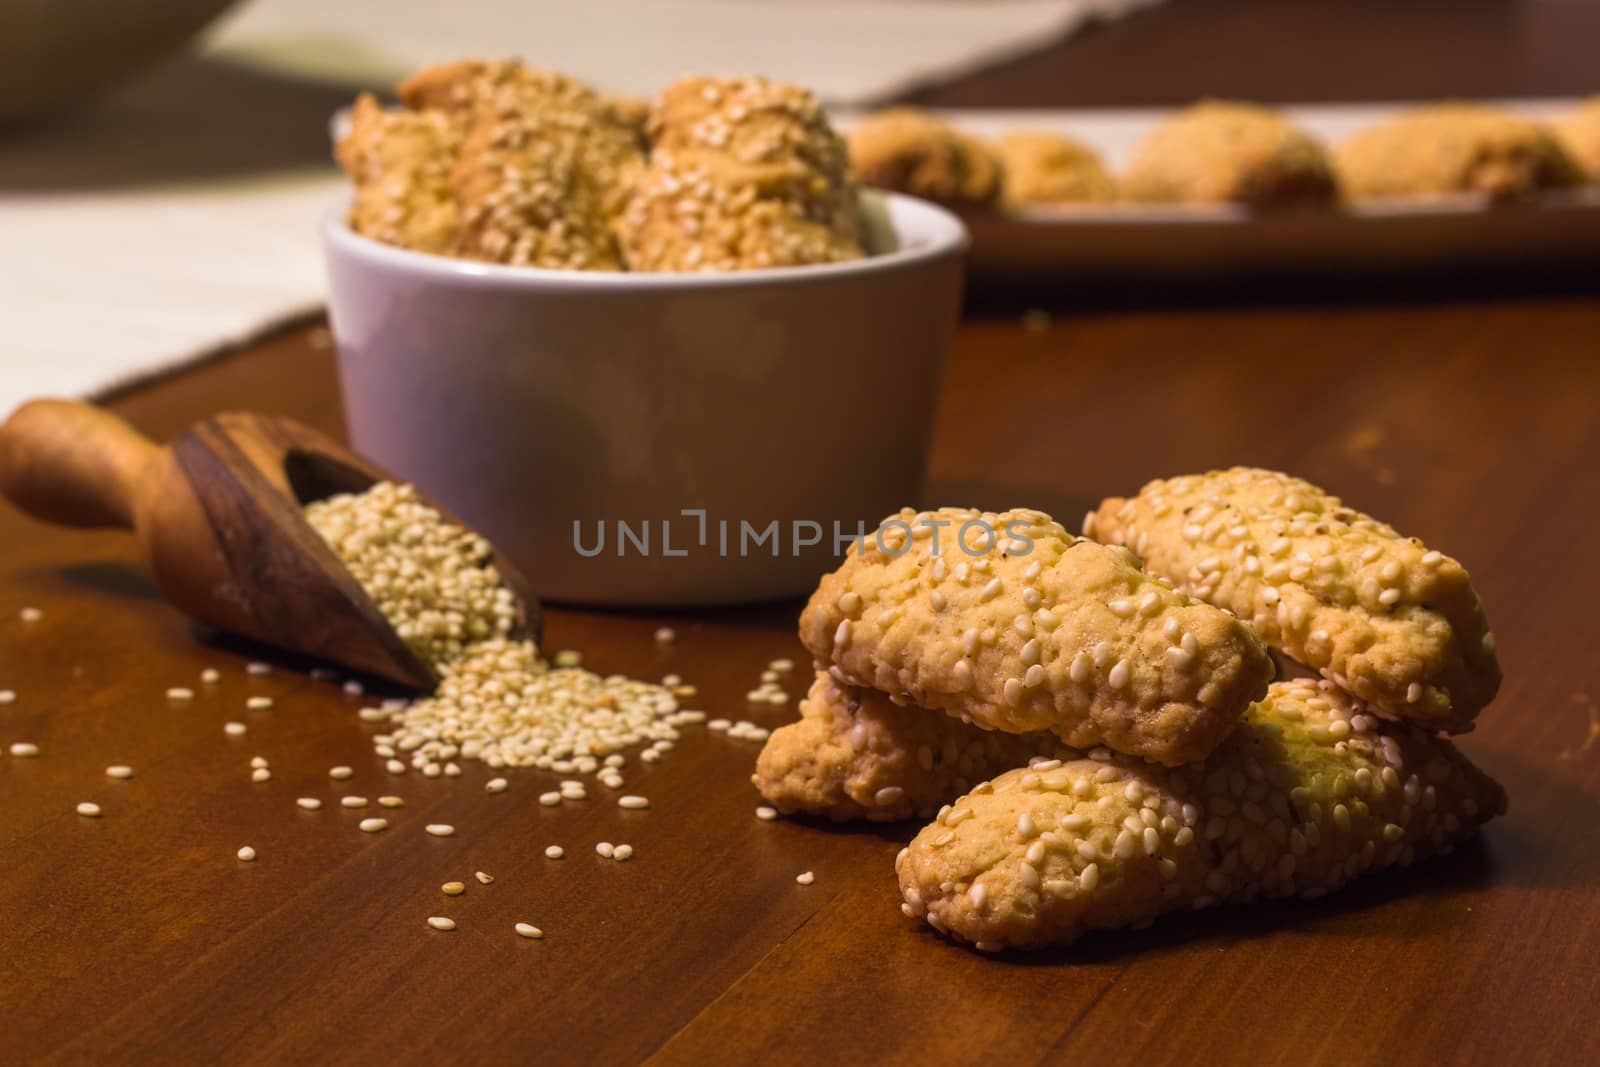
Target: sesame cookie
<point>400,163</point>
<point>1453,148</point>
<point>911,151</point>
<point>743,173</point>
<point>1381,615</point>
<point>1047,168</point>
<point>1311,791</point>
<point>1010,622</point>
<point>1579,134</point>
<point>1222,152</point>
<point>518,104</point>
<point>855,754</point>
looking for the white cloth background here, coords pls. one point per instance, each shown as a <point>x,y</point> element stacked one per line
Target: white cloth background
<point>104,281</point>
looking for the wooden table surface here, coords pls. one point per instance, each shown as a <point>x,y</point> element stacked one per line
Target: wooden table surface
<point>1473,423</point>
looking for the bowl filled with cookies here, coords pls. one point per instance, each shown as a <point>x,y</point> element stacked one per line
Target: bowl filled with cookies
<point>660,354</point>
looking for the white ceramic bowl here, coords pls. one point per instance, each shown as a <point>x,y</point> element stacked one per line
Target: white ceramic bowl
<point>545,406</point>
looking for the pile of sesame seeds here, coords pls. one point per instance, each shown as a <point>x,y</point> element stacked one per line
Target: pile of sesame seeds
<point>498,699</point>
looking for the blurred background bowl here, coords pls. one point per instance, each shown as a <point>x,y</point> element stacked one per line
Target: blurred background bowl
<point>54,53</point>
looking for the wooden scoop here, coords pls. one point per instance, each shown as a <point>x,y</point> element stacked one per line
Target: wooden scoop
<point>219,515</point>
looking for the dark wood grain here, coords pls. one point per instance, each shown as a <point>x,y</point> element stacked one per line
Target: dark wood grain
<point>1471,422</point>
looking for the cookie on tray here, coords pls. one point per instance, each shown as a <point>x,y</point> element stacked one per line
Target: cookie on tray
<point>1050,168</point>
<point>1219,152</point>
<point>908,150</point>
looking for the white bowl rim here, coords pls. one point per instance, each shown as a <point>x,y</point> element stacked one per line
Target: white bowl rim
<point>939,232</point>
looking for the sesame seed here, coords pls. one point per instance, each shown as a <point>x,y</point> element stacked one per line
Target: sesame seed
<point>440,829</point>
<point>258,762</point>
<point>453,889</point>
<point>234,729</point>
<point>246,854</point>
<point>372,826</point>
<point>394,766</point>
<point>119,771</point>
<point>261,774</point>
<point>89,810</point>
<point>605,848</point>
<point>352,802</point>
<point>622,853</point>
<point>550,800</point>
<point>528,930</point>
<point>554,852</point>
<point>441,922</point>
<point>353,688</point>
<point>31,614</point>
<point>633,803</point>
<point>258,703</point>
<point>766,814</point>
<point>211,676</point>
<point>483,879</point>
<point>1118,678</point>
<point>391,802</point>
<point>495,785</point>
<point>805,877</point>
<point>340,773</point>
<point>782,666</point>
<point>666,635</point>
<point>309,803</point>
<point>179,692</point>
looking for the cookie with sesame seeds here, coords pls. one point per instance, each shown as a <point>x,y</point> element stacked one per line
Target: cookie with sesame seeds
<point>1225,152</point>
<point>743,173</point>
<point>1049,168</point>
<point>908,150</point>
<point>1387,618</point>
<point>1010,622</point>
<point>1309,793</point>
<point>400,164</point>
<point>1454,148</point>
<point>522,102</point>
<point>854,754</point>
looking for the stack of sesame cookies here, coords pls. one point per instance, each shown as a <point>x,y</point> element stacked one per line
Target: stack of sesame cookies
<point>1098,736</point>
<point>503,163</point>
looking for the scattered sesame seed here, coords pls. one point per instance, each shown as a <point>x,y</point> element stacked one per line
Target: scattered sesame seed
<point>309,803</point>
<point>372,826</point>
<point>766,814</point>
<point>622,853</point>
<point>554,852</point>
<point>805,877</point>
<point>782,666</point>
<point>666,635</point>
<point>258,762</point>
<point>440,829</point>
<point>550,800</point>
<point>258,704</point>
<point>258,669</point>
<point>483,878</point>
<point>441,922</point>
<point>234,729</point>
<point>179,692</point>
<point>247,854</point>
<point>339,773</point>
<point>391,802</point>
<point>453,889</point>
<point>31,614</point>
<point>119,771</point>
<point>353,688</point>
<point>211,676</point>
<point>352,802</point>
<point>8,696</point>
<point>568,658</point>
<point>633,803</point>
<point>495,785</point>
<point>261,774</point>
<point>89,810</point>
<point>605,849</point>
<point>394,766</point>
<point>528,930</point>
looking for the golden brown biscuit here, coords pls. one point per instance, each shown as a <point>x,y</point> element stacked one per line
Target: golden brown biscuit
<point>1011,622</point>
<point>1453,148</point>
<point>1048,168</point>
<point>911,151</point>
<point>743,173</point>
<point>400,164</point>
<point>1221,152</point>
<point>1579,134</point>
<point>1310,792</point>
<point>518,101</point>
<point>1381,615</point>
<point>855,754</point>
